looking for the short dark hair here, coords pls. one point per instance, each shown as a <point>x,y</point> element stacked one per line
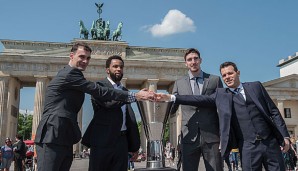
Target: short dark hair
<point>191,50</point>
<point>19,136</point>
<point>109,60</point>
<point>226,64</point>
<point>77,44</point>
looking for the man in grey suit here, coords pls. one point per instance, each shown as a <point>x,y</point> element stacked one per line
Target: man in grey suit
<point>115,123</point>
<point>200,127</point>
<point>58,128</point>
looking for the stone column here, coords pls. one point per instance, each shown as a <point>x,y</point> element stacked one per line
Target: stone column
<point>280,106</point>
<point>123,81</point>
<point>152,84</point>
<point>4,81</point>
<point>40,90</point>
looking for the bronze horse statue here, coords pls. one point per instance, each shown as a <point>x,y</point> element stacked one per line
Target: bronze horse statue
<point>117,32</point>
<point>106,32</point>
<point>83,30</point>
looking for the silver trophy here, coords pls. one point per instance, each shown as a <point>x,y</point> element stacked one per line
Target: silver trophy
<point>154,116</point>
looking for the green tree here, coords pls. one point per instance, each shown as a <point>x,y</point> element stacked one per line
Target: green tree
<point>166,136</point>
<point>25,125</point>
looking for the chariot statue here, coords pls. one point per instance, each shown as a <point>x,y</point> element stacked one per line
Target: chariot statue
<point>100,29</point>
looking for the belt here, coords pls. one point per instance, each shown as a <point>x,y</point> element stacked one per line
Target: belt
<point>258,138</point>
<point>123,132</point>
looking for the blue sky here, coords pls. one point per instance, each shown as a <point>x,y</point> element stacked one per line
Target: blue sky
<point>255,34</point>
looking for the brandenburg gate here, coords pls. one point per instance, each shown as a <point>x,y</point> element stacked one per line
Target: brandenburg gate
<point>35,63</point>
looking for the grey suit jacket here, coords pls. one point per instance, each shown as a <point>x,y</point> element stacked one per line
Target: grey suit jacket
<point>64,98</point>
<point>107,122</point>
<point>195,121</point>
<point>222,99</point>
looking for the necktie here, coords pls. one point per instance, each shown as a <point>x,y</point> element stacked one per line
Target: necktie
<point>237,91</point>
<point>196,88</point>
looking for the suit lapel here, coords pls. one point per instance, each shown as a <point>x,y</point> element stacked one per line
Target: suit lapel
<point>206,82</point>
<point>253,96</point>
<point>107,83</point>
<point>187,84</point>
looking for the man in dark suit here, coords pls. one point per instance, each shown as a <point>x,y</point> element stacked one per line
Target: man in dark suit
<point>113,131</point>
<point>199,126</point>
<point>58,128</point>
<point>19,149</point>
<point>248,119</point>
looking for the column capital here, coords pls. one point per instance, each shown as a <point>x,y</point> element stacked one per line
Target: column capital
<point>152,81</point>
<point>151,84</point>
<point>279,100</point>
<point>123,81</point>
<point>40,76</point>
<point>4,76</point>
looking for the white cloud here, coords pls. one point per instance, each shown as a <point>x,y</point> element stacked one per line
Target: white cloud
<point>174,22</point>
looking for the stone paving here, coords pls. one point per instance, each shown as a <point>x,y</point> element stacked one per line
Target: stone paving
<point>82,165</point>
<point>79,164</point>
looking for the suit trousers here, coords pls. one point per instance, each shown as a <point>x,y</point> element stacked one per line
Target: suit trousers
<point>191,154</point>
<point>263,152</point>
<point>111,158</point>
<point>52,157</point>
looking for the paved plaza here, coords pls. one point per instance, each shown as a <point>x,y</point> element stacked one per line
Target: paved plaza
<point>82,165</point>
<point>79,164</point>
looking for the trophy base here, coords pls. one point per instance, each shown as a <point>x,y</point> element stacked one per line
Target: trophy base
<point>156,169</point>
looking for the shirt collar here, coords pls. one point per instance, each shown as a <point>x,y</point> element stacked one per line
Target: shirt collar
<point>191,76</point>
<point>240,88</point>
<point>114,84</point>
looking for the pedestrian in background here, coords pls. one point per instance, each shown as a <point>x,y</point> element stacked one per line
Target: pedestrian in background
<point>173,155</point>
<point>7,155</point>
<point>130,162</point>
<point>235,153</point>
<point>19,150</point>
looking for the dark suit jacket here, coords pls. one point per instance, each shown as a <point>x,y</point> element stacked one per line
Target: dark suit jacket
<point>196,120</point>
<point>63,100</point>
<point>222,99</point>
<point>107,122</point>
<point>20,150</point>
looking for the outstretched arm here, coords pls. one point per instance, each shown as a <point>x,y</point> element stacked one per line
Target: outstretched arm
<point>192,100</point>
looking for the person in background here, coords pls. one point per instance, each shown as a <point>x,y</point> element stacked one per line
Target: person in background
<point>173,155</point>
<point>228,161</point>
<point>130,162</point>
<point>179,156</point>
<point>290,158</point>
<point>113,130</point>
<point>58,128</point>
<point>235,152</point>
<point>7,155</point>
<point>19,150</point>
<point>199,126</point>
